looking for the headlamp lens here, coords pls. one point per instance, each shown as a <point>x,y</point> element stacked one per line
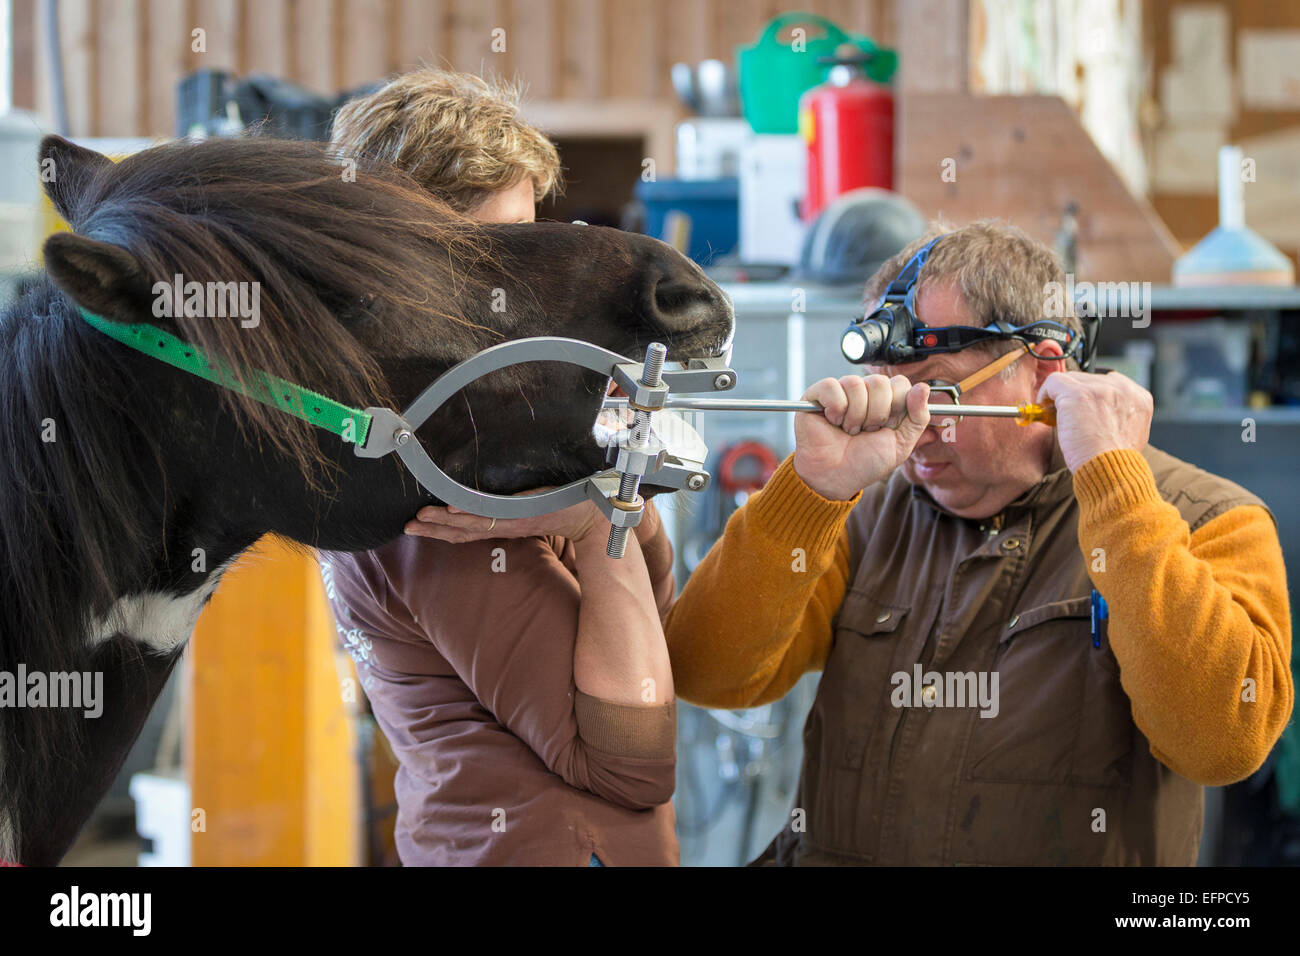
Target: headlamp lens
<point>854,344</point>
<point>863,340</point>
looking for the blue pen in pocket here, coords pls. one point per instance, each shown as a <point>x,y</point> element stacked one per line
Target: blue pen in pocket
<point>1099,613</point>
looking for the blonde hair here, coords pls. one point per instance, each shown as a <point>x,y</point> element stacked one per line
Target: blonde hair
<point>1000,271</point>
<point>458,135</point>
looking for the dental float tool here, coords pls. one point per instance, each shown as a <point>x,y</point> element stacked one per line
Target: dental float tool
<point>1026,414</point>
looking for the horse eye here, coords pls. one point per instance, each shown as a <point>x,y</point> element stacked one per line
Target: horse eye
<point>368,306</point>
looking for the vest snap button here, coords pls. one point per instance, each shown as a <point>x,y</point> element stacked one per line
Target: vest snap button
<point>1011,544</point>
<point>1015,619</point>
<point>882,618</point>
<point>929,694</point>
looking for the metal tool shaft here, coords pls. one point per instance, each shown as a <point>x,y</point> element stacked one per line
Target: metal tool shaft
<point>779,405</point>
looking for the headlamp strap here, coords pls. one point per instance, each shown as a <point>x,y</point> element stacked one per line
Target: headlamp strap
<point>901,287</point>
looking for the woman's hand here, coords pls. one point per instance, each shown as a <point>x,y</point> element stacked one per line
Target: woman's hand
<point>447,523</point>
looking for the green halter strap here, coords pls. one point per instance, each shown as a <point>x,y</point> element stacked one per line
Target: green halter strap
<point>349,424</point>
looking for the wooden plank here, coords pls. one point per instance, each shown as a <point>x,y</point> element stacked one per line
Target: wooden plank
<point>167,59</point>
<point>658,62</point>
<point>736,23</point>
<point>632,39</point>
<point>220,21</point>
<point>1264,15</point>
<point>850,15</point>
<point>1191,217</point>
<point>268,746</point>
<point>313,45</point>
<point>266,38</point>
<point>886,19</point>
<point>333,806</point>
<point>501,50</point>
<point>534,38</point>
<point>582,56</point>
<point>1257,15</point>
<point>979,31</point>
<point>933,46</point>
<point>571,49</point>
<point>470,26</point>
<point>876,19</point>
<point>421,29</point>
<point>42,91</point>
<point>1186,215</point>
<point>364,51</point>
<point>1002,145</point>
<point>23,67</point>
<point>79,41</point>
<point>688,31</point>
<point>119,80</point>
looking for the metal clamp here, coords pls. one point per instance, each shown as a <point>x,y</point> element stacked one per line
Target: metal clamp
<point>636,459</point>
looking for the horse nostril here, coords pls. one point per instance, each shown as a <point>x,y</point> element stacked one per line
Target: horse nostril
<point>678,301</point>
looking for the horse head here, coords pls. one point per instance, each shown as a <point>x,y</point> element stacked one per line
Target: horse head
<point>367,289</point>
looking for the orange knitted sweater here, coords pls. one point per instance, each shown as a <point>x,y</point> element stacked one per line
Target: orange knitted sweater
<point>745,629</point>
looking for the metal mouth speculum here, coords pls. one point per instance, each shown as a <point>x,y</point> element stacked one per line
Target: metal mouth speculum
<point>642,455</point>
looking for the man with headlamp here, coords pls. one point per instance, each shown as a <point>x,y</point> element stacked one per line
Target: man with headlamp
<point>1037,644</point>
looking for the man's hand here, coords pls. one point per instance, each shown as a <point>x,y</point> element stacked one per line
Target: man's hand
<point>868,429</point>
<point>455,526</point>
<point>1097,413</point>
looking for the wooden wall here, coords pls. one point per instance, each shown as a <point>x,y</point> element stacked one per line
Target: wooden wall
<point>123,58</point>
<point>1023,158</point>
<point>591,68</point>
<point>1273,201</point>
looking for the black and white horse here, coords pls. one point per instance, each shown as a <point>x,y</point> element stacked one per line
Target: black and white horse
<point>127,486</point>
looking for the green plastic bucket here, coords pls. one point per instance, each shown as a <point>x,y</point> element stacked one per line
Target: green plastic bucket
<point>773,74</point>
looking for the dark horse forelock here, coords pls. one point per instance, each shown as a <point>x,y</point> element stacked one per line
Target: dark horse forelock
<point>72,511</point>
<point>319,242</point>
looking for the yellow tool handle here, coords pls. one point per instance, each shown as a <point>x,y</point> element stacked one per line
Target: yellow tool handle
<point>1031,412</point>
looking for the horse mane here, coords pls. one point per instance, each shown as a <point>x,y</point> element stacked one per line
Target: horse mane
<point>73,531</point>
<point>320,244</point>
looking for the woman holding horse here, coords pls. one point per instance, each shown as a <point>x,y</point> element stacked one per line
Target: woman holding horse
<point>522,680</point>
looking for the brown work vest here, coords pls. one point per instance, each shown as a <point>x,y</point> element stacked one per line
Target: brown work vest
<point>889,784</point>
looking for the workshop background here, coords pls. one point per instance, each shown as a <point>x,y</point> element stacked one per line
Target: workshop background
<point>1097,125</point>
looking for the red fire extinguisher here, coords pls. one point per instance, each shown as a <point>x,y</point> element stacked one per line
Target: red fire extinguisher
<point>848,126</point>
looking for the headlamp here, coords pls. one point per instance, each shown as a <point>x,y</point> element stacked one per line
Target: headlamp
<point>893,335</point>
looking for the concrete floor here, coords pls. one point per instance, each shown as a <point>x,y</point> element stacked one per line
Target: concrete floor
<point>104,843</point>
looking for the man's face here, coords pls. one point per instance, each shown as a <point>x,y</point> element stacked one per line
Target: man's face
<point>513,204</point>
<point>976,467</point>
